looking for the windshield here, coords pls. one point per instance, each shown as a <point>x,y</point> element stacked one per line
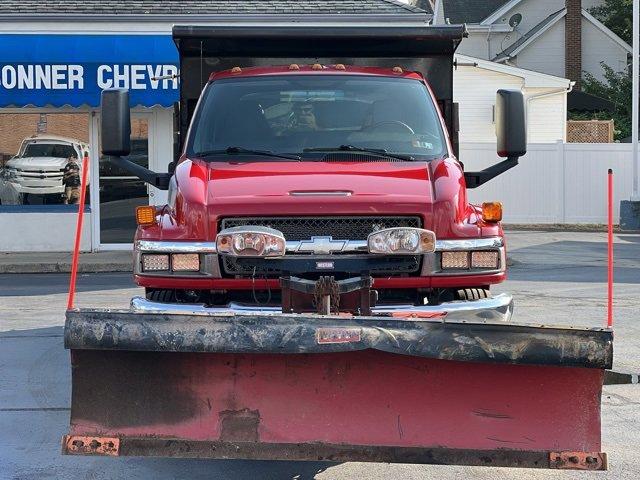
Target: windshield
<point>49,150</point>
<point>304,113</point>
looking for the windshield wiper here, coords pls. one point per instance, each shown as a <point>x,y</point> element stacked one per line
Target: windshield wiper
<point>241,150</point>
<point>352,148</point>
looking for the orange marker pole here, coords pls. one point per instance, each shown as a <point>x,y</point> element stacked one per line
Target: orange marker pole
<point>610,249</point>
<point>76,247</point>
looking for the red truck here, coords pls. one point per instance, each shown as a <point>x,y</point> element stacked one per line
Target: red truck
<point>318,285</point>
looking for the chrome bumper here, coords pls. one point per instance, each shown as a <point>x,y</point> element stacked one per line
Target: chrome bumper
<point>210,265</point>
<point>348,246</point>
<point>498,308</point>
<point>38,189</point>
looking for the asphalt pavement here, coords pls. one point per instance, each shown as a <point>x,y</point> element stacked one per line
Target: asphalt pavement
<point>556,278</point>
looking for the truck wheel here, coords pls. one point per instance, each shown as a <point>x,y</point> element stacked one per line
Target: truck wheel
<point>472,293</point>
<point>163,296</point>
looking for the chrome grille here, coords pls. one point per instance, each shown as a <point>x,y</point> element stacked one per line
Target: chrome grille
<point>265,268</point>
<point>303,228</point>
<point>340,228</point>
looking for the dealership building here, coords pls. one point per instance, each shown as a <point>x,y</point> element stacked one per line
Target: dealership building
<point>55,60</point>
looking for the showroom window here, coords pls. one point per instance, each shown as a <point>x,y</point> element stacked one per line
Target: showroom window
<point>120,192</point>
<point>41,157</point>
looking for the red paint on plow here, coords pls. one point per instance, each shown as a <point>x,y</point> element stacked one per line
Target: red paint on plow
<point>356,398</point>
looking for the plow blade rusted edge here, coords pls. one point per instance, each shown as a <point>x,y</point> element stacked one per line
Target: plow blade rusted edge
<point>350,453</point>
<point>492,342</point>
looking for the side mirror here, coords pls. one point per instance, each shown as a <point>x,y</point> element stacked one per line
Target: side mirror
<point>511,128</point>
<point>116,123</point>
<point>116,137</point>
<point>511,131</point>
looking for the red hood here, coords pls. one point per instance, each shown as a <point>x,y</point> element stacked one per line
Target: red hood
<point>208,191</point>
<point>307,188</point>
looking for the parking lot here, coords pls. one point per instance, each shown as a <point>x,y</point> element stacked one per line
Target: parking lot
<point>556,278</point>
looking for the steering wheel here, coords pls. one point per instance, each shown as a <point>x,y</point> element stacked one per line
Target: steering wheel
<point>392,122</point>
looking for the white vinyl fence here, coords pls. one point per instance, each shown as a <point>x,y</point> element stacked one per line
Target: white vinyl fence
<point>554,182</point>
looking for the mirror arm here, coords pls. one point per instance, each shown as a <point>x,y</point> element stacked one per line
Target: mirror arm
<point>475,179</point>
<point>158,180</point>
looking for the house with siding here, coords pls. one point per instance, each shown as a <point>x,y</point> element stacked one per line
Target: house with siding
<point>475,85</point>
<point>557,37</point>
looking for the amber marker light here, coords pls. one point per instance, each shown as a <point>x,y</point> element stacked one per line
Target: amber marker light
<point>146,215</point>
<point>492,211</point>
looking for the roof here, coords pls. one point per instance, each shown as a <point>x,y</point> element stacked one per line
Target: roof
<point>206,7</point>
<point>470,11</point>
<point>531,35</point>
<point>313,70</point>
<point>530,78</point>
<point>501,12</point>
<point>547,23</point>
<point>54,138</point>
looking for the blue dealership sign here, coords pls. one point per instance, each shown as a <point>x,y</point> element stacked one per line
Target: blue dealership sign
<point>59,70</point>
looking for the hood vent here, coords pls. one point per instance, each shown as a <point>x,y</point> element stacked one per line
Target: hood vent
<point>356,157</point>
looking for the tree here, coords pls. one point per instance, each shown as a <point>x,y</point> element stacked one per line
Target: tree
<point>617,89</point>
<point>616,15</point>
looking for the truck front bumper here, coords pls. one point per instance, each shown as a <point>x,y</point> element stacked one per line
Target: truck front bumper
<point>39,189</point>
<point>498,308</point>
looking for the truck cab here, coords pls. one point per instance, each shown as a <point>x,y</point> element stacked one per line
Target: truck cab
<point>325,186</point>
<point>300,184</point>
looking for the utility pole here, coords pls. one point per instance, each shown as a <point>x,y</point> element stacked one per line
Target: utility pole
<point>630,209</point>
<point>635,195</point>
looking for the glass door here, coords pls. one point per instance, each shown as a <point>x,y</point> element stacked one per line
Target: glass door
<point>119,192</point>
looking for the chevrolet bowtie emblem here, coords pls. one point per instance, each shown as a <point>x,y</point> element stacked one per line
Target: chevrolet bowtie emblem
<point>321,245</point>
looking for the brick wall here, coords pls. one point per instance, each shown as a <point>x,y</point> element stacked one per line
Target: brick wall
<point>139,128</point>
<point>573,42</point>
<point>15,127</point>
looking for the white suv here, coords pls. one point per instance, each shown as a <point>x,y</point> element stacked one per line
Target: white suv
<point>39,165</point>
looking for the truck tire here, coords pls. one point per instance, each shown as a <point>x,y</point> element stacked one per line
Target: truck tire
<point>472,293</point>
<point>163,296</point>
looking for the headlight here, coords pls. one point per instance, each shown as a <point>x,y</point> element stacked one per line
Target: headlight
<point>464,260</point>
<point>455,260</point>
<point>402,241</point>
<point>249,241</point>
<point>485,260</point>
<point>155,263</point>
<point>185,262</point>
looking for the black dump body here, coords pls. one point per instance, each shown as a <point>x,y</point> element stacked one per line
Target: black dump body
<point>427,49</point>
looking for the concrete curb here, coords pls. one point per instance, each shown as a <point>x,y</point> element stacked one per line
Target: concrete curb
<point>60,262</point>
<point>63,267</point>
<point>565,227</point>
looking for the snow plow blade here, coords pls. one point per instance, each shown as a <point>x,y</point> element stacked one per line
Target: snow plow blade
<point>335,388</point>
